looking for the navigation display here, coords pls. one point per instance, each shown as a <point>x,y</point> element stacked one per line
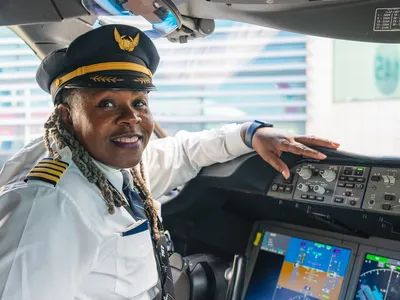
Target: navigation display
<point>379,279</point>
<point>288,268</point>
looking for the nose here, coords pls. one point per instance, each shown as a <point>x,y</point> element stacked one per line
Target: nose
<point>128,117</point>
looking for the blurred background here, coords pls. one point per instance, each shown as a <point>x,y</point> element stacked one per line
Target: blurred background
<point>308,85</point>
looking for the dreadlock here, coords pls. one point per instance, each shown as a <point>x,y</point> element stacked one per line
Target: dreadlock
<point>55,128</point>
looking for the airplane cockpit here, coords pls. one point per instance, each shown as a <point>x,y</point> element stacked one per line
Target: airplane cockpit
<point>240,230</point>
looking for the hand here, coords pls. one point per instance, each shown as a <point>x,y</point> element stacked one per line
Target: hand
<point>270,143</point>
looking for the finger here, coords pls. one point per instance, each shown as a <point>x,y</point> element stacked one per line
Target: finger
<point>301,149</point>
<point>311,140</point>
<point>276,163</point>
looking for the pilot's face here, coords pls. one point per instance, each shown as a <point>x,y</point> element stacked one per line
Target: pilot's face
<point>113,126</point>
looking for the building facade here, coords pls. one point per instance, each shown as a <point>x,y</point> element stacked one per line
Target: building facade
<point>240,73</point>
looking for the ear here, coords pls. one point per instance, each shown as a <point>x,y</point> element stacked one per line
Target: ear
<point>65,113</point>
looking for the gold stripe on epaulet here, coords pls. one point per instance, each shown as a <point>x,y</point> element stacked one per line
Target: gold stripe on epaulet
<point>48,170</point>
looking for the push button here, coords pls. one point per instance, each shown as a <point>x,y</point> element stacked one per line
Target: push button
<point>341,184</point>
<point>359,172</point>
<point>361,179</point>
<point>339,200</point>
<point>274,187</point>
<point>304,196</point>
<point>392,179</point>
<point>351,179</point>
<point>311,197</point>
<point>375,178</point>
<point>289,180</point>
<point>386,206</point>
<point>320,198</point>
<point>389,197</point>
<point>350,185</point>
<point>288,189</point>
<point>342,178</point>
<point>348,171</point>
<point>359,186</point>
<point>281,188</point>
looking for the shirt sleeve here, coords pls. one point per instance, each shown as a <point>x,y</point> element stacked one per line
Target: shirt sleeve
<point>46,245</point>
<point>173,161</point>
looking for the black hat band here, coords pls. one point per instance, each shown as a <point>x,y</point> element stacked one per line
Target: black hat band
<point>106,66</point>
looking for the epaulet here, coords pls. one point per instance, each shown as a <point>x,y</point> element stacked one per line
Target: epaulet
<point>48,170</point>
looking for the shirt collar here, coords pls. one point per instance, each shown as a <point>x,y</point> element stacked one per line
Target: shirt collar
<point>112,174</point>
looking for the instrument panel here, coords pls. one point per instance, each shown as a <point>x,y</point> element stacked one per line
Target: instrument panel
<point>289,262</point>
<point>375,189</point>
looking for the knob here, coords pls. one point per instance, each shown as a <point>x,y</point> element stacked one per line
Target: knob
<point>304,173</point>
<point>303,187</point>
<point>319,189</point>
<point>328,175</point>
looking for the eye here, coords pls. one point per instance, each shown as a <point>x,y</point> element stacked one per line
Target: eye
<point>106,103</point>
<point>139,103</point>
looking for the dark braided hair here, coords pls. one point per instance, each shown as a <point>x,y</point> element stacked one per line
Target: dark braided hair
<point>55,128</point>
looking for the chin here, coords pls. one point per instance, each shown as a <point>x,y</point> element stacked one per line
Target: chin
<point>126,165</point>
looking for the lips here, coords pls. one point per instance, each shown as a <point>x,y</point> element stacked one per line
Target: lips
<point>127,141</point>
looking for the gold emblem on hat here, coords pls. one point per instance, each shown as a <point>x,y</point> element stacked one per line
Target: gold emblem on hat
<point>126,43</point>
<point>142,80</point>
<point>106,79</point>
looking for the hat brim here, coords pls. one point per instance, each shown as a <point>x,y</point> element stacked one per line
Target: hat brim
<point>109,81</point>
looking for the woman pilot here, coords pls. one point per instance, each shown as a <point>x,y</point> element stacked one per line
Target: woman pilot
<point>77,218</point>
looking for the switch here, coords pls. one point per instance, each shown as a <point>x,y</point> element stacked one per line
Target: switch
<point>339,200</point>
<point>385,179</point>
<point>304,172</point>
<point>375,178</point>
<point>328,175</point>
<point>386,206</point>
<point>303,187</point>
<point>319,189</point>
<point>389,197</point>
<point>274,187</point>
<point>392,179</point>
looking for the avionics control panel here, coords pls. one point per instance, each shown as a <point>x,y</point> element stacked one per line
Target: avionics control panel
<point>358,187</point>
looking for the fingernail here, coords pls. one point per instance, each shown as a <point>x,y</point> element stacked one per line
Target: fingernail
<point>335,144</point>
<point>322,156</point>
<point>285,174</point>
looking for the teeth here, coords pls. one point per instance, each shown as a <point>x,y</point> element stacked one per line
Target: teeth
<point>127,140</point>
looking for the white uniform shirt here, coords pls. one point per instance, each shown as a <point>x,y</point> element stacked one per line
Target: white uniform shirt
<point>61,243</point>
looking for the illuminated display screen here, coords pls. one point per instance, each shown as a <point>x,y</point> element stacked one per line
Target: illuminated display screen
<point>288,268</point>
<point>379,279</point>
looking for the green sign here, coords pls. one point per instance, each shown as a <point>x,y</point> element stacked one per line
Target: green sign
<point>386,69</point>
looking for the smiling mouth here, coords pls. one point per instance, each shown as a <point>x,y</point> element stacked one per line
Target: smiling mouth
<point>130,142</point>
<point>127,140</point>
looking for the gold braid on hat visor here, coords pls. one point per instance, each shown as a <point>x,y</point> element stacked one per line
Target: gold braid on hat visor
<point>107,66</point>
